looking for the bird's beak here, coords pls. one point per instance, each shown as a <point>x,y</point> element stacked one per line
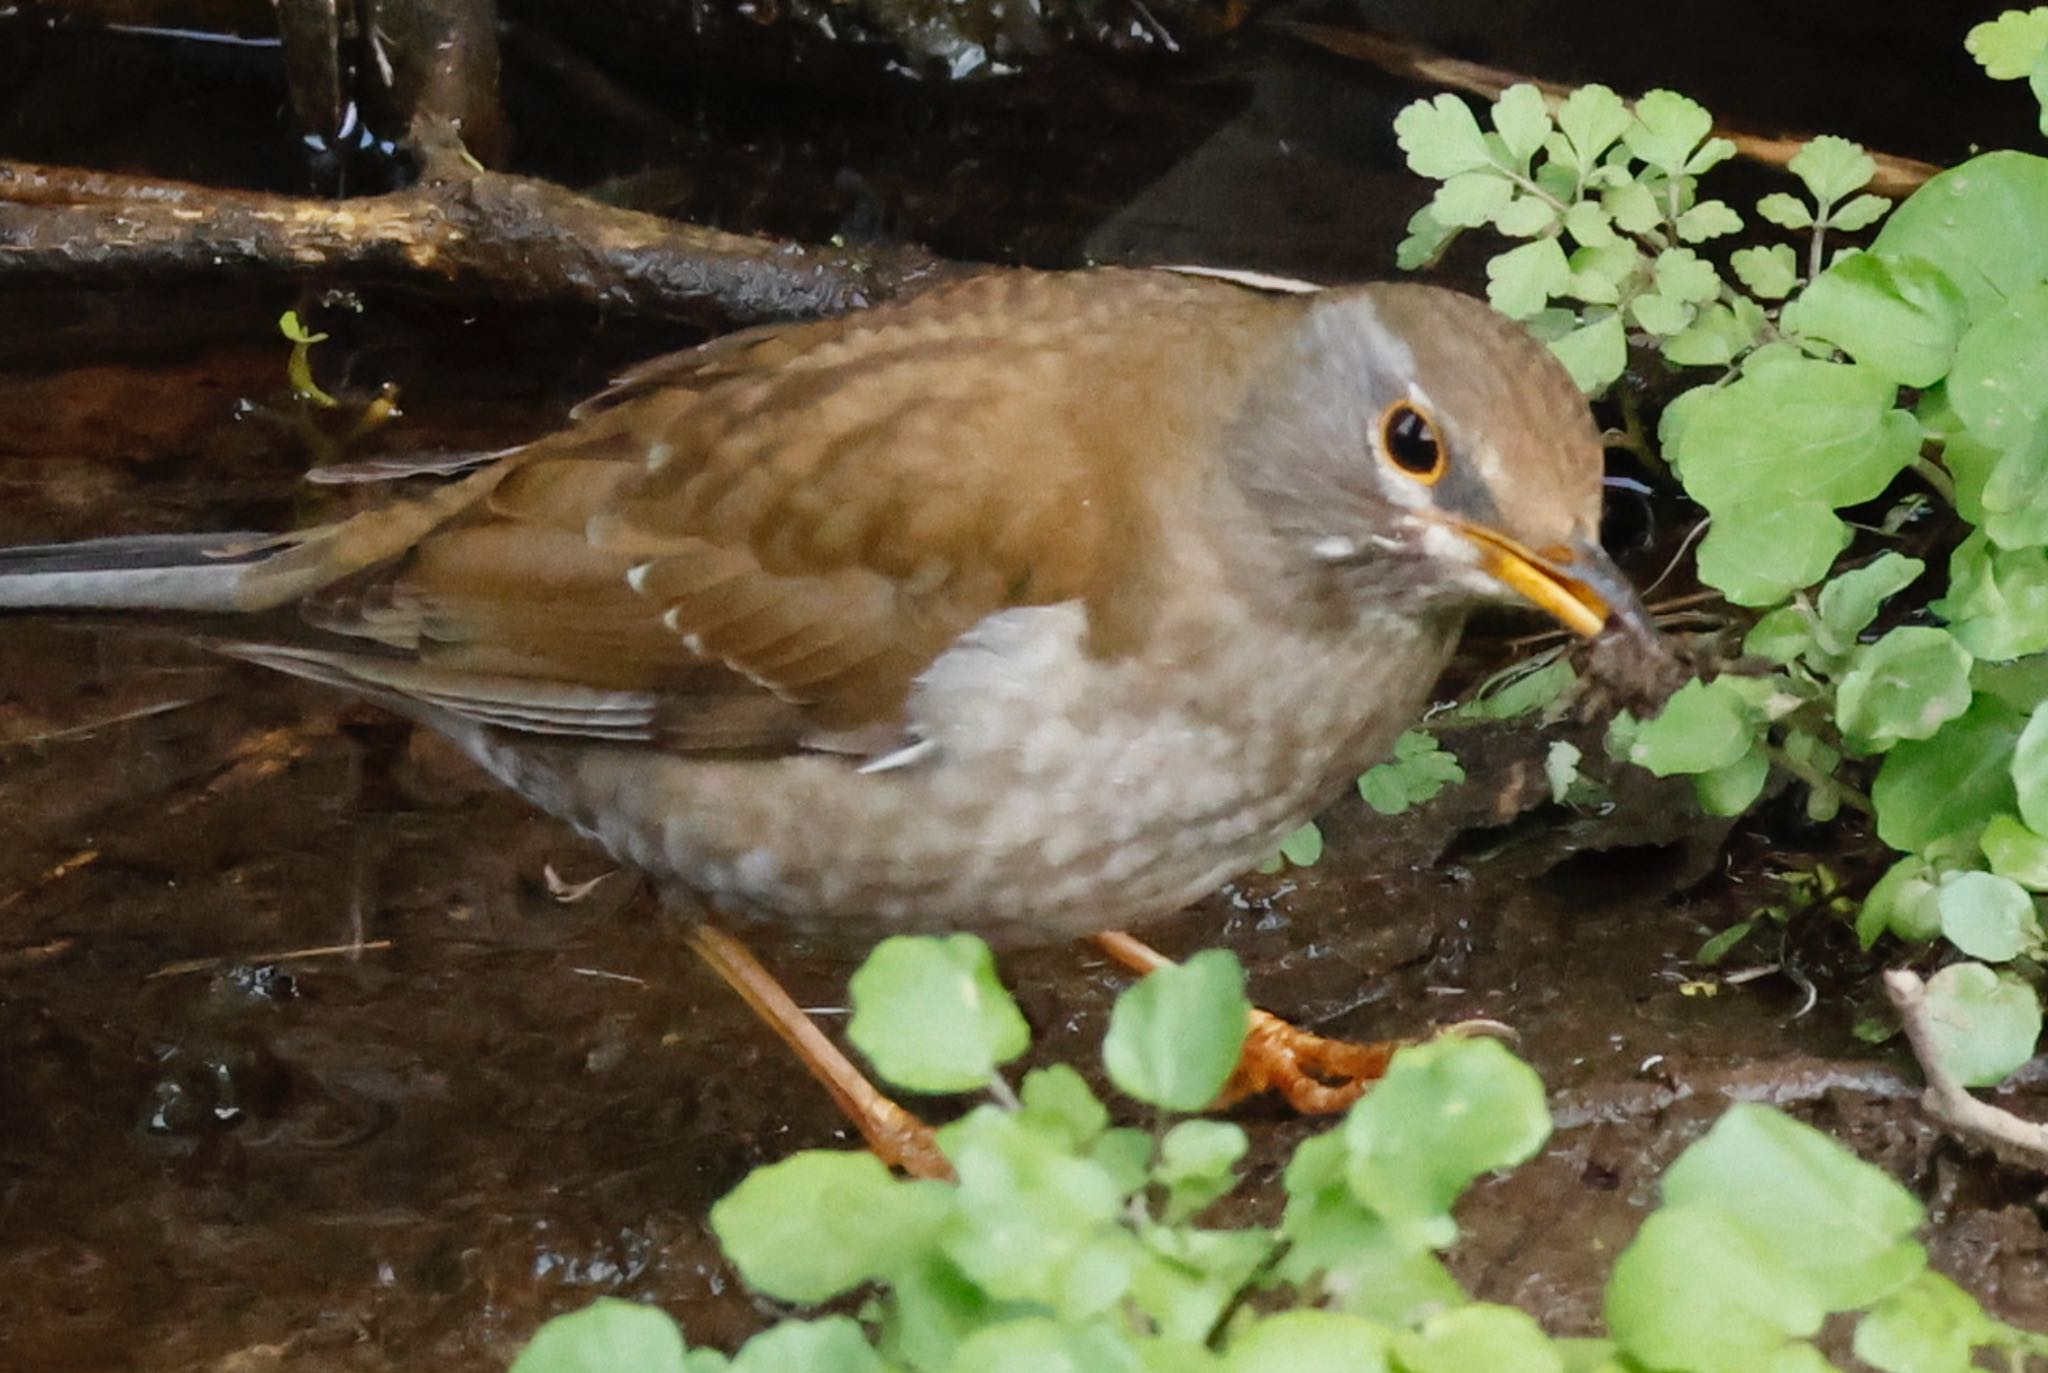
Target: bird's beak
<point>1577,582</point>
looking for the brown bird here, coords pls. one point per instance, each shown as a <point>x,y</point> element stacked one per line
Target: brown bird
<point>1038,606</point>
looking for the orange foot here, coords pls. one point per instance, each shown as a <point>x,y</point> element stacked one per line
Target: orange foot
<point>1316,1075</point>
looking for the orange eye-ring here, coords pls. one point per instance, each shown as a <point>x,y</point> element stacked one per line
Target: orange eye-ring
<point>1410,440</point>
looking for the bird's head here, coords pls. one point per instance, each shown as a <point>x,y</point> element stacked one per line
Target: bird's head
<point>1415,449</point>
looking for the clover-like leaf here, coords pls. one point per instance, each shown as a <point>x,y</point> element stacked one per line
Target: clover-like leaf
<point>1197,1164</point>
<point>1708,219</point>
<point>1441,138</point>
<point>1999,386</point>
<point>1425,242</point>
<point>1928,1326</point>
<point>1984,1024</point>
<point>1595,353</point>
<point>1905,902</point>
<point>833,1344</point>
<point>1523,118</point>
<point>2016,851</point>
<point>1478,1338</point>
<point>1832,168</point>
<point>1769,273</point>
<point>1786,211</point>
<point>1522,280</point>
<point>1666,129</point>
<point>1997,601</point>
<point>1174,1038</point>
<point>822,1222</point>
<point>2010,46</point>
<point>1977,223</point>
<point>1308,1341</point>
<point>1592,118</point>
<point>931,1014</point>
<point>1859,212</point>
<point>2030,769</point>
<point>1418,771</point>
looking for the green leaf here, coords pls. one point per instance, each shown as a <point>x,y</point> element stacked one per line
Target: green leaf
<point>1984,1024</point>
<point>2015,851</point>
<point>1733,789</point>
<point>1522,280</point>
<point>1832,168</point>
<point>931,1014</point>
<point>1785,211</point>
<point>1633,207</point>
<point>1308,1341</point>
<point>2030,770</point>
<point>1795,430</point>
<point>2010,46</point>
<point>1662,315</point>
<point>1784,635</point>
<point>1708,219</point>
<point>1592,118</point>
<point>1760,553</point>
<point>1595,354</point>
<point>1704,726</point>
<point>820,1223</point>
<point>1723,944</point>
<point>1304,847</point>
<point>1523,118</point>
<point>1988,917</point>
<point>1906,902</point>
<point>1174,1038</point>
<point>1684,275</point>
<point>1589,224</point>
<point>1900,317</point>
<point>1481,1338</point>
<point>1197,1164</point>
<point>1907,685</point>
<point>1036,1344</point>
<point>1859,212</point>
<point>604,1337</point>
<point>1031,1221</point>
<point>1446,1112</point>
<point>1832,1224</point>
<point>1418,771</point>
<point>1928,1326</point>
<point>1696,1291</point>
<point>1997,601</point>
<point>1525,216</point>
<point>1517,691</point>
<point>1425,242</point>
<point>1769,273</point>
<point>834,1344</point>
<point>2000,382</point>
<point>1342,1246</point>
<point>2013,493</point>
<point>1951,783</point>
<point>1666,129</point>
<point>1979,224</point>
<point>1058,1103</point>
<point>1470,199</point>
<point>1441,138</point>
<point>1850,601</point>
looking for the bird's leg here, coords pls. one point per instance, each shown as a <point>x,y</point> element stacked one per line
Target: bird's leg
<point>1317,1076</point>
<point>897,1137</point>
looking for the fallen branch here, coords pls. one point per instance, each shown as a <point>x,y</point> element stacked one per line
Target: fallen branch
<point>476,232</point>
<point>2023,1143</point>
<point>1896,176</point>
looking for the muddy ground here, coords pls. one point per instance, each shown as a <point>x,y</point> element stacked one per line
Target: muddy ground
<point>484,1104</point>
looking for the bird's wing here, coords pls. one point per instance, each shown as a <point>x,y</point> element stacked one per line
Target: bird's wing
<point>769,538</point>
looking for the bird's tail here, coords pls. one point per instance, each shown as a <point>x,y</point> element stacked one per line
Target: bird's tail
<point>224,573</point>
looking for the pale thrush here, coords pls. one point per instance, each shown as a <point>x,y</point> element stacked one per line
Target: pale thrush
<point>1037,606</point>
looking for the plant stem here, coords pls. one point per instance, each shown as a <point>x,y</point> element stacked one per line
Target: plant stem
<point>1214,1338</point>
<point>1936,476</point>
<point>1819,781</point>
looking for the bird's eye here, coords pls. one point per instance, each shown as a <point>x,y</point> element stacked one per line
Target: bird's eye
<point>1409,439</point>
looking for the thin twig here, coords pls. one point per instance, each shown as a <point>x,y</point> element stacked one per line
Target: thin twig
<point>2023,1143</point>
<point>200,965</point>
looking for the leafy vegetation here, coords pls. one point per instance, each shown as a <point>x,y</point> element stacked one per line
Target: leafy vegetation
<point>1069,1242</point>
<point>1835,402</point>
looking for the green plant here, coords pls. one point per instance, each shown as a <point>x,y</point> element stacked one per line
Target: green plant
<point>1069,1242</point>
<point>1816,378</point>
